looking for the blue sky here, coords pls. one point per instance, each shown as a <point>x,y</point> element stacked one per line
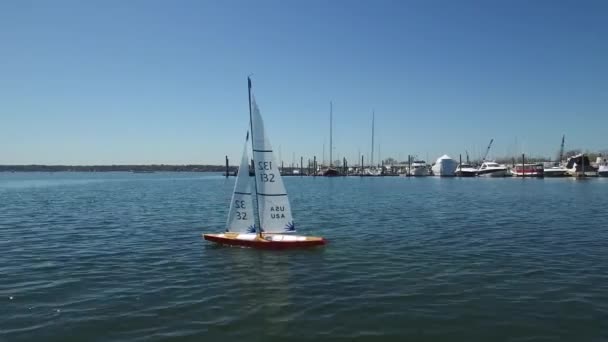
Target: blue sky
<point>101,82</point>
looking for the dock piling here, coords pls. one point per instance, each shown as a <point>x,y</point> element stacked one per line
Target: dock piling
<point>409,165</point>
<point>361,171</point>
<point>227,168</point>
<point>460,165</point>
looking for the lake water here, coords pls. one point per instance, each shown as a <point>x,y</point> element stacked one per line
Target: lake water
<point>119,257</point>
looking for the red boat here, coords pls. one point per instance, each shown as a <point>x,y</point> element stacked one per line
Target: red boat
<point>528,170</point>
<point>265,241</point>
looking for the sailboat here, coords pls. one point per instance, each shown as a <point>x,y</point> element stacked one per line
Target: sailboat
<point>275,221</point>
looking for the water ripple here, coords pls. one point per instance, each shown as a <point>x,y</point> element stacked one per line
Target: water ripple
<point>118,257</point>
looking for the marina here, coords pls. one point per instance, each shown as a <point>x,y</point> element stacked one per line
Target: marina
<point>448,167</point>
<point>576,165</point>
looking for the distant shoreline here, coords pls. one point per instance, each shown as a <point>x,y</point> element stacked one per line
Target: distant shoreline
<point>115,168</point>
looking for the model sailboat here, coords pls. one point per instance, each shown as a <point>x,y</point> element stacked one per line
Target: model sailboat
<point>272,204</point>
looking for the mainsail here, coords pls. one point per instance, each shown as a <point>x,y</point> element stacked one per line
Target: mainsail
<point>240,216</point>
<point>273,205</point>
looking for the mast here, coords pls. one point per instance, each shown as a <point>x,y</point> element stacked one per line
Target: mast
<point>257,204</point>
<point>330,133</point>
<point>323,162</point>
<point>561,149</point>
<point>373,119</point>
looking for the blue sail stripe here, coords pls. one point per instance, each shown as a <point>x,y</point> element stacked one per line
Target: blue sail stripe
<point>261,194</point>
<point>254,150</point>
<point>242,193</point>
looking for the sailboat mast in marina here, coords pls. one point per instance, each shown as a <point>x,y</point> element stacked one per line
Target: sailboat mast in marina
<point>331,171</point>
<point>273,211</point>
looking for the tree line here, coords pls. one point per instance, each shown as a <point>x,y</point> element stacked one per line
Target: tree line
<point>114,168</point>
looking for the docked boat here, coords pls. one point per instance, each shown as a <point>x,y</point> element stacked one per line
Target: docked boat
<point>579,166</point>
<point>528,170</point>
<point>555,171</point>
<point>273,210</point>
<point>419,168</point>
<point>444,166</point>
<point>492,169</point>
<point>465,170</point>
<point>602,166</point>
<point>371,172</point>
<point>330,172</point>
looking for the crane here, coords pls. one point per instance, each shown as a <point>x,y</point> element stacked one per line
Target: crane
<point>487,150</point>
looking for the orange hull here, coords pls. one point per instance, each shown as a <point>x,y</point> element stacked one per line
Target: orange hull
<point>267,241</point>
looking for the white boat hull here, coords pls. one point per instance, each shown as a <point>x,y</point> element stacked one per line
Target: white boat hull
<point>465,171</point>
<point>556,172</point>
<point>574,173</point>
<point>419,172</point>
<point>493,173</point>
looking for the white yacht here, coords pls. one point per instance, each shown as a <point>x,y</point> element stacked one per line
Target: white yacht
<point>444,166</point>
<point>556,171</point>
<point>602,164</point>
<point>492,169</point>
<point>419,168</point>
<point>465,170</point>
<point>579,166</point>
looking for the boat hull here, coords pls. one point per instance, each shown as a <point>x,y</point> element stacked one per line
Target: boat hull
<point>267,241</point>
<point>586,173</point>
<point>466,173</point>
<point>556,173</point>
<point>331,173</point>
<point>527,174</point>
<point>493,173</point>
<point>419,172</point>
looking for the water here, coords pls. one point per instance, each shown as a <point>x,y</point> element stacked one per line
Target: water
<point>119,257</point>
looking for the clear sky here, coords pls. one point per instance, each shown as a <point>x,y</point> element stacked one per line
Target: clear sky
<point>158,81</point>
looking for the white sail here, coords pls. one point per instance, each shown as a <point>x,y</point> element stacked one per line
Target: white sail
<point>273,205</point>
<point>240,216</point>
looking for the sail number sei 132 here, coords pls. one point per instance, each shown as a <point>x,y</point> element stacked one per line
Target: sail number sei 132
<point>266,166</point>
